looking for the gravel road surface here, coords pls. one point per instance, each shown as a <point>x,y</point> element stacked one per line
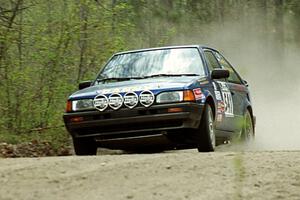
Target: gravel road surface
<point>184,174</point>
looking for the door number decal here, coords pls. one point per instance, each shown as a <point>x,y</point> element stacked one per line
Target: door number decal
<point>227,98</point>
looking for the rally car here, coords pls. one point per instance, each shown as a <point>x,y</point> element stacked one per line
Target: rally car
<point>173,97</point>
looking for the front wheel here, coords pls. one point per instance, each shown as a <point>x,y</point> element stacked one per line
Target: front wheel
<point>206,131</point>
<point>84,146</point>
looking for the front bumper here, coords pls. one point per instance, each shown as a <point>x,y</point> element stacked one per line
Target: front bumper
<point>132,124</point>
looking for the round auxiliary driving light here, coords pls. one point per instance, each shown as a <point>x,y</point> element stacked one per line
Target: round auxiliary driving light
<point>131,99</point>
<point>146,98</point>
<point>100,102</point>
<point>115,101</point>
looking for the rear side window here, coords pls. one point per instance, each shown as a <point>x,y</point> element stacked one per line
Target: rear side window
<point>233,77</point>
<point>211,60</point>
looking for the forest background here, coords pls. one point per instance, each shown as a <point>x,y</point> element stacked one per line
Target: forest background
<point>48,46</point>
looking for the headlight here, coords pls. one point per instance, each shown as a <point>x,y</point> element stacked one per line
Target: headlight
<point>169,97</point>
<point>83,104</point>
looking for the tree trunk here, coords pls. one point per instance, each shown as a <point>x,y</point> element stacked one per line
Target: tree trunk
<point>19,92</point>
<point>221,12</point>
<point>83,39</point>
<point>279,31</point>
<point>4,64</point>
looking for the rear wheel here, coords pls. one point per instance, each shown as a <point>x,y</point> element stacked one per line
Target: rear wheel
<point>206,131</point>
<point>84,146</point>
<point>248,128</point>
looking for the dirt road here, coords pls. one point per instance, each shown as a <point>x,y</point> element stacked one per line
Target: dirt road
<point>170,175</point>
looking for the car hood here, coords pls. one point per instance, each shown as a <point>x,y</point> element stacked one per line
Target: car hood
<point>156,85</point>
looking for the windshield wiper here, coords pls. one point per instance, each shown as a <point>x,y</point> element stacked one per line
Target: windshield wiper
<point>116,79</point>
<point>170,75</point>
<point>142,77</point>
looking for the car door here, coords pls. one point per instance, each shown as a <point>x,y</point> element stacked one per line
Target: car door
<point>237,94</point>
<point>224,114</point>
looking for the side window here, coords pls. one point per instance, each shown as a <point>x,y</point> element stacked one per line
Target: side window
<point>211,60</point>
<point>233,77</point>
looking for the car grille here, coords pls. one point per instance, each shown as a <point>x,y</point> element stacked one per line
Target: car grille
<point>125,114</point>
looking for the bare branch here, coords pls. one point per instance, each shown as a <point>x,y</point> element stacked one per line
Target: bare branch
<point>102,6</point>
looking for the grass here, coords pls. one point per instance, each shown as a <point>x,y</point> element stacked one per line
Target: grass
<point>239,175</point>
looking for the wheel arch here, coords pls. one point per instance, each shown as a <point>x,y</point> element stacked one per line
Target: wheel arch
<point>249,108</point>
<point>210,101</point>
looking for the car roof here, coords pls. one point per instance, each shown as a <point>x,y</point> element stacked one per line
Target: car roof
<point>167,47</point>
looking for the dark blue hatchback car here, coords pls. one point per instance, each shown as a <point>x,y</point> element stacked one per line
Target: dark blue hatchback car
<point>167,97</point>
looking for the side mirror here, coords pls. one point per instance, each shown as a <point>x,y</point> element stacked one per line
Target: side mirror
<point>245,83</point>
<point>84,84</point>
<point>219,73</point>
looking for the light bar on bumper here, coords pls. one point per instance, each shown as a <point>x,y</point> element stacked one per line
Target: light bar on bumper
<point>146,98</point>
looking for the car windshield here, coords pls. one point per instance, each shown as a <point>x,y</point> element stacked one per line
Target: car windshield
<point>162,62</point>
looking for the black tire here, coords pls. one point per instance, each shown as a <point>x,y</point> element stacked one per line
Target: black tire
<point>247,134</point>
<point>84,147</point>
<point>206,131</point>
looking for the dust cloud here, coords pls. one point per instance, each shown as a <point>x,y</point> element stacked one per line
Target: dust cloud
<point>274,87</point>
<point>272,71</point>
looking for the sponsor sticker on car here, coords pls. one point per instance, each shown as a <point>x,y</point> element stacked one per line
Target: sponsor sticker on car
<point>198,94</point>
